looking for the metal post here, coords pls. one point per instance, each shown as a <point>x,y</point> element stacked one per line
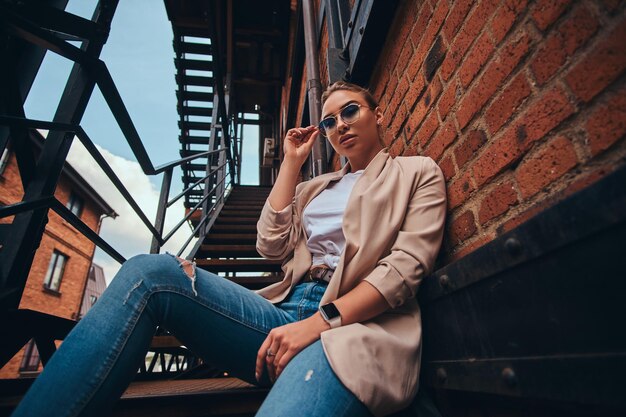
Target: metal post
<point>161,210</point>
<point>313,85</point>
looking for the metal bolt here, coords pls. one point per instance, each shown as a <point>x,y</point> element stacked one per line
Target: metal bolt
<point>350,24</point>
<point>361,30</point>
<point>441,375</point>
<point>444,281</point>
<point>509,377</point>
<point>513,246</point>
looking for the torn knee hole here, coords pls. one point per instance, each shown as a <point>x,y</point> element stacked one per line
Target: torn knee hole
<point>187,266</point>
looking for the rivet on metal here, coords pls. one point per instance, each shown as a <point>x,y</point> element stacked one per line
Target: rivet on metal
<point>513,246</point>
<point>509,377</point>
<point>361,30</point>
<point>441,375</point>
<point>444,281</point>
<point>350,24</point>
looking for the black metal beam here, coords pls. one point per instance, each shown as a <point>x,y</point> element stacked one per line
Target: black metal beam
<point>27,228</point>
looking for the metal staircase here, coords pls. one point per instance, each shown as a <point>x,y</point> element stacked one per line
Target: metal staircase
<point>229,247</point>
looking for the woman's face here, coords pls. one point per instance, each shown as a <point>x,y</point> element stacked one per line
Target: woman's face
<point>358,138</point>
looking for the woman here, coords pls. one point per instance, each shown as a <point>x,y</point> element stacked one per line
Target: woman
<point>355,243</point>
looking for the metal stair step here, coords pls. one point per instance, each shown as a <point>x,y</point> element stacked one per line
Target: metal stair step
<point>230,238</point>
<point>223,251</point>
<point>239,265</point>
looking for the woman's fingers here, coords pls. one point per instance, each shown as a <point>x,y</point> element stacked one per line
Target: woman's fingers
<point>260,357</point>
<point>271,359</point>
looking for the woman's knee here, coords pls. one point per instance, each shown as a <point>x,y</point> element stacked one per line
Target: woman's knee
<point>144,268</point>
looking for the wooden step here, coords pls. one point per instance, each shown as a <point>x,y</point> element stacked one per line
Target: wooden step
<point>230,238</point>
<point>228,212</point>
<point>237,220</point>
<point>234,228</point>
<point>224,251</point>
<point>239,265</point>
<point>192,397</point>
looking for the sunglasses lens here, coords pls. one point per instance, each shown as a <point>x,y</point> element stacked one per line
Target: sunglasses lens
<point>350,113</point>
<point>327,125</point>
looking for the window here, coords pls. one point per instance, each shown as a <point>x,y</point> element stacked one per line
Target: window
<point>4,159</point>
<point>52,281</point>
<point>30,361</point>
<point>75,204</point>
<point>93,299</point>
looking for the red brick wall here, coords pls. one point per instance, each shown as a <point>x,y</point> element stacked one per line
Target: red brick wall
<point>61,236</point>
<point>521,103</point>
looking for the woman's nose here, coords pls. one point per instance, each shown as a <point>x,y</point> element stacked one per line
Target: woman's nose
<point>342,126</point>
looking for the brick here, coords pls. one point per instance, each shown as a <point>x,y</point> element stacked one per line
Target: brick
<point>450,95</point>
<point>538,120</point>
<point>473,26</point>
<point>415,91</point>
<point>505,17</point>
<point>456,17</point>
<point>426,130</point>
<point>462,228</point>
<point>420,24</point>
<point>495,72</point>
<point>397,148</point>
<point>497,202</point>
<point>430,35</point>
<point>400,29</point>
<point>476,58</point>
<point>398,96</point>
<point>603,64</point>
<point>423,106</point>
<point>468,146</point>
<point>403,59</point>
<point>447,167</point>
<point>547,12</point>
<point>398,119</point>
<point>434,58</point>
<point>441,141</point>
<point>607,124</point>
<point>545,166</point>
<point>507,102</point>
<point>563,43</point>
<point>466,250</point>
<point>459,190</point>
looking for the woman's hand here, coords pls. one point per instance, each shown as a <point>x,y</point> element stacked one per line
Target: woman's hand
<point>287,341</point>
<point>299,142</point>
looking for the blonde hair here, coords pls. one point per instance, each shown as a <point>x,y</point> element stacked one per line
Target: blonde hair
<point>345,86</point>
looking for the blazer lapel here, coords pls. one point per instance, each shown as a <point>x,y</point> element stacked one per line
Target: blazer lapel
<point>355,237</point>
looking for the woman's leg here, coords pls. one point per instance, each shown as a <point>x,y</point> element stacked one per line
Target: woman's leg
<point>309,387</point>
<point>220,321</point>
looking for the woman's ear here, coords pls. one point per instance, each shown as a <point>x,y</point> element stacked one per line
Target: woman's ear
<point>379,116</point>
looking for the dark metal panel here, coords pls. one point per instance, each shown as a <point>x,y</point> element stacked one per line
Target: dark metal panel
<point>366,37</point>
<point>538,312</point>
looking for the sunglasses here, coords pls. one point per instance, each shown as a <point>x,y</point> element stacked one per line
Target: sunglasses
<point>348,114</point>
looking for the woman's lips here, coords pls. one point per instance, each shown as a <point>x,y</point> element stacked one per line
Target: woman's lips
<point>347,140</point>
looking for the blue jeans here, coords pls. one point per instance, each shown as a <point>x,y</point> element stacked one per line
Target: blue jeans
<point>220,321</point>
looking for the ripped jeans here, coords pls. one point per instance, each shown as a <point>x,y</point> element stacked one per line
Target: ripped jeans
<point>220,321</point>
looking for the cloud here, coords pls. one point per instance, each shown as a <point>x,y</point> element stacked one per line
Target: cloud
<point>127,233</point>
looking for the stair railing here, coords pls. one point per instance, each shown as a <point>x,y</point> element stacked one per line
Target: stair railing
<point>18,24</point>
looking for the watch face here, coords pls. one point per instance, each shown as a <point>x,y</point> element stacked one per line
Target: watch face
<point>330,310</point>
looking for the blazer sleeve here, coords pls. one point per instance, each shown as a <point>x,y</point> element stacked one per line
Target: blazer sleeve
<point>276,231</point>
<point>397,276</point>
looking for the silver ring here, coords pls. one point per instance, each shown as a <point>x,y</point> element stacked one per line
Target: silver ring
<point>270,353</point>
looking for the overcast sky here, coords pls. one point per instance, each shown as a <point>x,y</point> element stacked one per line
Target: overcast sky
<point>140,58</point>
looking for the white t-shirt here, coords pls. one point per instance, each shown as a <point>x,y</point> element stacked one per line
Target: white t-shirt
<point>322,219</point>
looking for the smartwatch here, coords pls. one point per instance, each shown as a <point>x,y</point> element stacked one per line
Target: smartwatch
<point>330,313</point>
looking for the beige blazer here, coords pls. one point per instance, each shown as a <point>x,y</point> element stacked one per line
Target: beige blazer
<point>393,225</point>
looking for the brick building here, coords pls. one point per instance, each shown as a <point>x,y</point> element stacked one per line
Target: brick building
<point>520,103</point>
<point>58,277</point>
